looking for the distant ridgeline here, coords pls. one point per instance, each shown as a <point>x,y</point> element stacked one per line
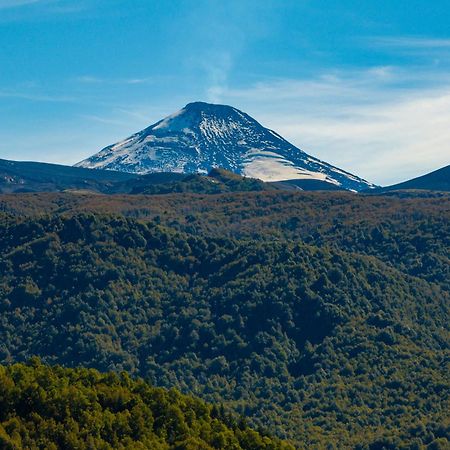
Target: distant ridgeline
<point>57,408</point>
<point>23,177</point>
<point>438,180</point>
<point>322,317</point>
<point>28,177</point>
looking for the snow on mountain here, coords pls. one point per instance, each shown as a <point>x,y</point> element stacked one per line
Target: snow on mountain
<point>202,136</point>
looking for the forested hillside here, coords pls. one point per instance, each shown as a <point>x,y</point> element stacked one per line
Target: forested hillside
<point>329,326</point>
<point>411,234</point>
<point>45,407</point>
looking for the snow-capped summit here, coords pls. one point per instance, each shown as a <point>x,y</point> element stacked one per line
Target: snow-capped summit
<point>202,136</point>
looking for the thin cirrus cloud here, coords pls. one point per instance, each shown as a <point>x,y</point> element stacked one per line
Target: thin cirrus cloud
<point>411,42</point>
<point>38,97</point>
<point>364,121</point>
<point>436,50</point>
<point>88,79</point>
<point>20,9</point>
<point>16,3</point>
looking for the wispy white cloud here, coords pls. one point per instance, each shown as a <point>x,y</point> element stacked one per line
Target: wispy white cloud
<point>37,97</point>
<point>17,9</point>
<point>377,123</point>
<point>138,80</point>
<point>217,67</point>
<point>16,3</point>
<point>89,79</point>
<point>104,120</point>
<point>433,50</point>
<point>411,42</point>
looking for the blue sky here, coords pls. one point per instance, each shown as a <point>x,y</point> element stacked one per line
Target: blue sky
<point>362,84</point>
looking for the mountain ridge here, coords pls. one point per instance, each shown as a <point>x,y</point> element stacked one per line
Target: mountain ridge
<point>202,136</point>
<point>437,180</point>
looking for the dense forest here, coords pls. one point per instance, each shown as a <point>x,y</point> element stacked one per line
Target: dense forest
<point>54,407</point>
<point>411,234</point>
<point>321,317</point>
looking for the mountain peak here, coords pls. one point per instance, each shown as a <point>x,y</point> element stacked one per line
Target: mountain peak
<point>203,135</point>
<point>203,105</point>
<point>213,111</point>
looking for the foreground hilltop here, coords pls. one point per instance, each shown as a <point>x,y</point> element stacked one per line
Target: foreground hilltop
<point>54,407</point>
<point>202,136</point>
